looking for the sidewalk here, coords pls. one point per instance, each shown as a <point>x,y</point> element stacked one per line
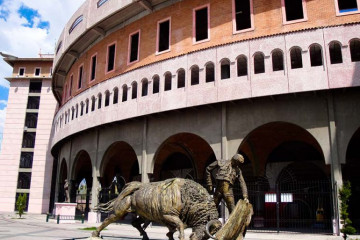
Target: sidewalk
<point>33,224</point>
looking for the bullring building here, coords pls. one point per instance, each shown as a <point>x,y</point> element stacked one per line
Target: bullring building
<point>153,89</point>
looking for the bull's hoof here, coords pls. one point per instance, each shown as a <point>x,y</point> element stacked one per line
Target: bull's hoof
<point>95,234</point>
<point>145,237</point>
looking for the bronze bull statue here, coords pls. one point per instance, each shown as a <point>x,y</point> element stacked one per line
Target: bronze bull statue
<point>177,203</point>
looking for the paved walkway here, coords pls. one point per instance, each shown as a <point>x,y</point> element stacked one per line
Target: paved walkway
<point>34,226</point>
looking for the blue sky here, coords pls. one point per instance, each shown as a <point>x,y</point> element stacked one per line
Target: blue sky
<point>29,27</point>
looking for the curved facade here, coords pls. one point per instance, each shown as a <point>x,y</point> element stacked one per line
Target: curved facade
<point>149,90</point>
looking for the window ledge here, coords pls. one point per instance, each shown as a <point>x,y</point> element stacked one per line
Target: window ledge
<point>201,41</point>
<point>162,52</point>
<point>243,31</point>
<point>295,21</point>
<point>340,14</point>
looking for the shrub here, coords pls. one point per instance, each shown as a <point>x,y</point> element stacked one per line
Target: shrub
<point>344,195</point>
<point>21,204</point>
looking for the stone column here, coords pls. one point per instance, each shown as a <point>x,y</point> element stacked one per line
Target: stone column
<point>336,175</point>
<point>144,174</point>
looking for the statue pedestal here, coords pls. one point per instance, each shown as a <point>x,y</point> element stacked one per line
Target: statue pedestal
<point>66,211</point>
<point>94,217</point>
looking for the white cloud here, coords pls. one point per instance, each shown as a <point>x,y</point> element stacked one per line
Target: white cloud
<point>21,41</point>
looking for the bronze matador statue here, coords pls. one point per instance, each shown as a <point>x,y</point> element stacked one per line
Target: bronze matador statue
<point>228,171</point>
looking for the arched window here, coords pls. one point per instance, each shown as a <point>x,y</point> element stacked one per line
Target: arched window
<point>144,87</point>
<point>107,98</point>
<point>168,77</point>
<point>335,53</point>
<point>156,84</point>
<point>242,66</point>
<point>72,113</point>
<point>316,55</point>
<point>225,69</point>
<point>259,63</point>
<point>81,108</point>
<point>26,159</point>
<point>355,50</point>
<point>92,103</point>
<point>124,93</point>
<point>296,58</point>
<point>86,106</point>
<point>210,72</point>
<point>181,78</point>
<point>76,110</point>
<point>134,90</point>
<point>194,75</point>
<point>99,100</point>
<point>277,60</point>
<point>28,140</point>
<point>116,96</point>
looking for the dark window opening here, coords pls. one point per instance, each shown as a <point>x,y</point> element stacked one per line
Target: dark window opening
<point>164,36</point>
<point>80,76</point>
<point>99,101</point>
<point>347,5</point>
<point>167,85</point>
<point>27,200</point>
<point>134,47</point>
<point>81,108</point>
<point>124,93</point>
<point>76,111</point>
<point>37,71</point>
<point>335,53</point>
<point>259,63</point>
<point>107,99</point>
<point>156,84</point>
<point>21,71</point>
<point>111,58</point>
<point>71,84</point>
<point>86,106</point>
<point>35,87</point>
<point>210,72</point>
<point>33,103</point>
<point>24,180</point>
<point>201,24</point>
<point>194,75</point>
<point>72,113</point>
<point>296,58</point>
<point>28,140</point>
<point>315,55</point>
<point>26,159</point>
<point>134,90</point>
<point>225,69</point>
<point>278,60</point>
<point>242,66</point>
<point>31,120</point>
<point>181,78</point>
<point>93,104</point>
<point>93,68</point>
<point>116,96</point>
<point>144,88</point>
<point>294,10</point>
<point>242,14</point>
<point>355,50</point>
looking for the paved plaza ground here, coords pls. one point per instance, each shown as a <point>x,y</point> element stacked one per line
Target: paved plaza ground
<point>34,226</point>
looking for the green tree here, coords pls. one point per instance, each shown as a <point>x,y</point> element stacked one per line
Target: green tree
<point>344,195</point>
<point>21,204</point>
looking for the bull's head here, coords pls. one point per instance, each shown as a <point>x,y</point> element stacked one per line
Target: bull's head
<point>234,228</point>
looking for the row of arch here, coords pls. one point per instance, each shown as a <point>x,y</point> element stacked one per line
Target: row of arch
<point>277,56</point>
<point>293,156</point>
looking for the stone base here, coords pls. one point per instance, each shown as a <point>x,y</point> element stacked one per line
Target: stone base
<point>94,217</point>
<point>66,212</point>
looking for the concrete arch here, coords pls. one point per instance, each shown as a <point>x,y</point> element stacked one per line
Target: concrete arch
<point>262,141</point>
<point>190,146</point>
<point>119,158</point>
<point>82,160</point>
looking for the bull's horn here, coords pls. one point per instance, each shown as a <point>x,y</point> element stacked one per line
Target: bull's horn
<point>207,231</point>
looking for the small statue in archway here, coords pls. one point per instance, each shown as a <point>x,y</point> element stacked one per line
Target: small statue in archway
<point>228,172</point>
<point>66,189</point>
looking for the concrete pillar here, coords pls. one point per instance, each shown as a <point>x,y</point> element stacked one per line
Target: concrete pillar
<point>336,175</point>
<point>143,167</point>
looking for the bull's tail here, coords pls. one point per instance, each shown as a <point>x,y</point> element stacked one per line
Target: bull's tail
<point>129,189</point>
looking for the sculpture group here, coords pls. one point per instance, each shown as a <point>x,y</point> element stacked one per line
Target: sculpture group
<point>182,203</point>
